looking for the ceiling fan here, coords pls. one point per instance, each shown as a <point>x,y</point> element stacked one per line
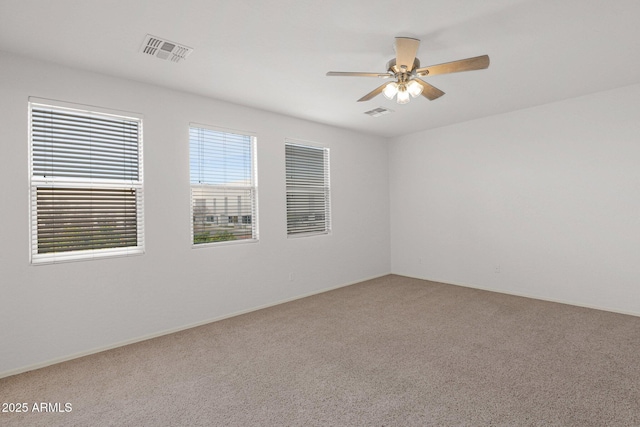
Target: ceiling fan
<point>405,69</point>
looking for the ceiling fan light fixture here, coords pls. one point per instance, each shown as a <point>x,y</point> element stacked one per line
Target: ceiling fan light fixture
<point>414,88</point>
<point>403,95</point>
<point>390,90</point>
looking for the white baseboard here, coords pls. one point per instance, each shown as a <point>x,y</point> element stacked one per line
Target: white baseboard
<point>525,295</point>
<point>173,330</point>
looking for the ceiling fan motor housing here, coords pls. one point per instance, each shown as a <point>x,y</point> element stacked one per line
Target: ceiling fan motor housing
<point>393,68</point>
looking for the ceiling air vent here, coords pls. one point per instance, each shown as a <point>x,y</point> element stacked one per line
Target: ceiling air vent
<point>164,49</point>
<point>380,111</point>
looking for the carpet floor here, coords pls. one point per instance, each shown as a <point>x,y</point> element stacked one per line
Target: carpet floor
<point>392,351</point>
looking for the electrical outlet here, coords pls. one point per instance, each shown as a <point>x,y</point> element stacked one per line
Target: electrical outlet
<point>420,261</point>
<point>291,277</point>
<point>497,269</point>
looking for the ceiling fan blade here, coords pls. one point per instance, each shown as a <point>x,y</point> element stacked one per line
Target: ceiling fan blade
<point>406,50</point>
<point>469,64</point>
<point>377,91</point>
<point>428,91</point>
<point>356,74</point>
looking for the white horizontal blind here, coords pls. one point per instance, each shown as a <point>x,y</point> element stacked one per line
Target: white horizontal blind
<point>75,144</point>
<point>86,185</point>
<point>223,186</point>
<point>308,190</point>
<point>76,219</point>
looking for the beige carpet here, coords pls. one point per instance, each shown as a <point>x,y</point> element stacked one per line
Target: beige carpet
<point>387,352</point>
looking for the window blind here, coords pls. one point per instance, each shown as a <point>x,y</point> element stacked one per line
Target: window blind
<point>73,144</point>
<point>223,186</point>
<point>86,186</point>
<point>74,219</point>
<point>308,190</point>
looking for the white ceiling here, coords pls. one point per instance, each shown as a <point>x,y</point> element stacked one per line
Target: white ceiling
<point>273,54</point>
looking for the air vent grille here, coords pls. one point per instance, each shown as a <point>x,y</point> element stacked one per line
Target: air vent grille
<point>377,112</point>
<point>164,49</point>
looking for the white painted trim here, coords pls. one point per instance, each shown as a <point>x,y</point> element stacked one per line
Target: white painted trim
<point>524,295</point>
<point>173,330</point>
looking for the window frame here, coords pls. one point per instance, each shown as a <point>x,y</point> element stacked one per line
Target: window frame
<point>253,188</point>
<point>78,184</point>
<point>326,189</point>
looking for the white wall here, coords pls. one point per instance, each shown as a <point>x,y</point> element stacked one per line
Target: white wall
<point>549,195</point>
<point>51,312</point>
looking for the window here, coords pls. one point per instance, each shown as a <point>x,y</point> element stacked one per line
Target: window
<point>308,201</point>
<point>85,183</point>
<point>223,185</point>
